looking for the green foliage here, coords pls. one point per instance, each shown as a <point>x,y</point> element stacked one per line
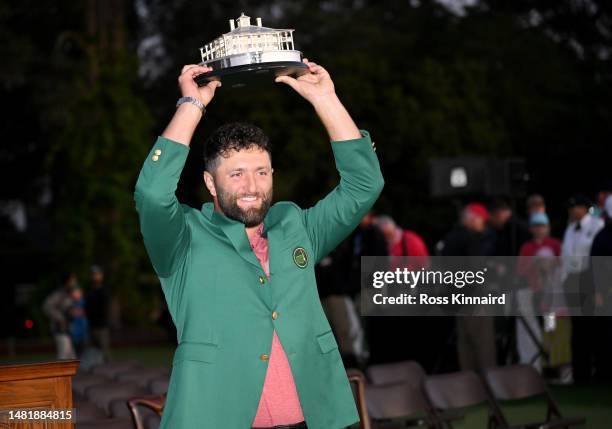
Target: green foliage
<point>99,145</point>
<point>101,130</point>
<point>93,130</point>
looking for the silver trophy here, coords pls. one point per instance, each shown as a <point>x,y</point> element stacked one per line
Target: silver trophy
<point>250,54</point>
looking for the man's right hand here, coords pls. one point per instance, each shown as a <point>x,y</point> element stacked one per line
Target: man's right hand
<point>189,88</point>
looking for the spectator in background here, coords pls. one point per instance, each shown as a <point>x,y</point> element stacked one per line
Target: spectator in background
<point>408,250</point>
<point>403,242</point>
<point>504,237</point>
<point>79,327</point>
<point>339,275</point>
<point>578,284</point>
<point>539,227</point>
<point>535,204</point>
<point>97,310</point>
<point>340,309</point>
<point>57,307</point>
<point>605,190</point>
<point>367,240</point>
<point>507,233</point>
<point>465,239</point>
<point>601,253</point>
<point>539,265</point>
<point>475,334</point>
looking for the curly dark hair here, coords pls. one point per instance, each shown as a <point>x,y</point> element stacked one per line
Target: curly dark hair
<point>233,136</point>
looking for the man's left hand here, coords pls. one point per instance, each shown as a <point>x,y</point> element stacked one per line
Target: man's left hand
<point>313,86</point>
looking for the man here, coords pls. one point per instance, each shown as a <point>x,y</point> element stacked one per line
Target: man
<point>535,204</point>
<point>605,190</point>
<point>503,238</point>
<point>578,284</point>
<point>57,306</point>
<point>403,243</point>
<point>255,349</point>
<point>601,258</point>
<point>406,250</point>
<point>602,246</point>
<point>465,239</point>
<point>366,240</point>
<point>475,334</point>
<point>506,233</point>
<point>97,302</point>
<point>340,291</point>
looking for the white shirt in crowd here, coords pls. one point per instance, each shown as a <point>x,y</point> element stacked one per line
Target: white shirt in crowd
<point>577,242</point>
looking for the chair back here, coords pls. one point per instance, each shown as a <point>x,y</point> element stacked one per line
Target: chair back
<point>395,400</point>
<point>455,390</point>
<point>517,382</point>
<point>514,382</point>
<point>357,381</point>
<point>408,371</point>
<point>152,402</point>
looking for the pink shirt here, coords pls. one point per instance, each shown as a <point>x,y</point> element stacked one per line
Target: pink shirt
<point>279,403</point>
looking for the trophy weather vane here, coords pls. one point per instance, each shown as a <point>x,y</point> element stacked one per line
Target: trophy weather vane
<point>250,53</point>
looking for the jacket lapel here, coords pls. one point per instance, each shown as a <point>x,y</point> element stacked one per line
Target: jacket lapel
<point>234,231</point>
<point>274,228</point>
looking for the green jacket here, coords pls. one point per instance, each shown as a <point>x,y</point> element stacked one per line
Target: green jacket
<point>221,300</point>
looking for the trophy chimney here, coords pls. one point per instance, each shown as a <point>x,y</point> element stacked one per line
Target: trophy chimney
<point>232,27</point>
<point>243,20</point>
<point>259,22</point>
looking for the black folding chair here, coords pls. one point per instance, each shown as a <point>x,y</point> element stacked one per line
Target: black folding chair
<point>395,398</point>
<point>517,382</point>
<point>456,391</point>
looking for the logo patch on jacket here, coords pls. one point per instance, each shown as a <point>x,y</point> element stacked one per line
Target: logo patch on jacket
<point>300,257</point>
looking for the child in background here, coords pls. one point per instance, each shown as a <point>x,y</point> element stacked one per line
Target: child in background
<point>79,326</point>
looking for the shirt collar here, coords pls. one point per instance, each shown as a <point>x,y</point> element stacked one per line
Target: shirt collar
<point>585,220</point>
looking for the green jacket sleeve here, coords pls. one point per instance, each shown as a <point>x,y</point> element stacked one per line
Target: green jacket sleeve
<point>162,218</point>
<point>334,217</point>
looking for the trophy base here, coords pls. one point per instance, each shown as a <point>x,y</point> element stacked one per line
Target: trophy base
<point>256,74</point>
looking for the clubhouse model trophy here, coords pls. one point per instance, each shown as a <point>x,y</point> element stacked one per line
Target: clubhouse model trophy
<point>250,54</point>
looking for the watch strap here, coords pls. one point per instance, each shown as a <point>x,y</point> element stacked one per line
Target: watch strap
<point>191,100</point>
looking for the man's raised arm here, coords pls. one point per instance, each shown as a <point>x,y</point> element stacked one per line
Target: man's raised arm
<point>334,217</point>
<point>162,220</point>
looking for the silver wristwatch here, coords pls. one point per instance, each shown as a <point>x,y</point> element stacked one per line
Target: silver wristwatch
<point>192,101</point>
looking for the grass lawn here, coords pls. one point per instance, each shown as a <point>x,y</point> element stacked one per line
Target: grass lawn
<point>147,355</point>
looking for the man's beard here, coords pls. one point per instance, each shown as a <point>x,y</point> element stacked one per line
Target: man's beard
<point>250,217</point>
